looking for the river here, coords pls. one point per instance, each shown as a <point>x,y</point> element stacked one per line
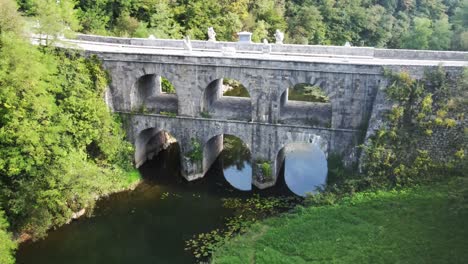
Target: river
<point>151,223</point>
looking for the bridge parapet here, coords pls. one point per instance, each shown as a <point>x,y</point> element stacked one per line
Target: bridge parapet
<point>316,50</point>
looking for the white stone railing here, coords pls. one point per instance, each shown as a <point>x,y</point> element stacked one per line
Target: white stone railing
<point>286,48</point>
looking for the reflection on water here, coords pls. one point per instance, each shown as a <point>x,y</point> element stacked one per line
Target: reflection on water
<point>305,168</point>
<point>236,163</point>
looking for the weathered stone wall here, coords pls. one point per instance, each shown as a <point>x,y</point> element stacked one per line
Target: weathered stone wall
<point>351,88</point>
<point>354,90</point>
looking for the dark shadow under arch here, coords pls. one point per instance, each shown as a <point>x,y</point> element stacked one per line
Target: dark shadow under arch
<point>150,142</point>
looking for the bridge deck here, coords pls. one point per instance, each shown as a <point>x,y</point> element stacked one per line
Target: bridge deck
<point>255,55</point>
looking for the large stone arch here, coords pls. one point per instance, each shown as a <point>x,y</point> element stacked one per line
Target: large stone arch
<point>240,74</point>
<point>213,146</point>
<point>150,141</point>
<point>314,114</point>
<point>214,104</point>
<point>318,139</point>
<point>146,93</point>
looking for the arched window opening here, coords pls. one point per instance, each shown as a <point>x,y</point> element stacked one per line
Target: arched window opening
<point>305,104</point>
<point>227,99</point>
<point>233,156</point>
<point>304,167</point>
<point>154,94</point>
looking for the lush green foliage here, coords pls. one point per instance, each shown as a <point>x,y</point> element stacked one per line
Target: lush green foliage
<point>412,226</point>
<point>167,87</point>
<point>60,147</point>
<point>266,170</point>
<point>196,152</point>
<point>7,246</point>
<point>433,24</point>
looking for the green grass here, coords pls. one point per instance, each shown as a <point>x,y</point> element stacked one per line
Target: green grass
<point>132,178</point>
<point>411,226</point>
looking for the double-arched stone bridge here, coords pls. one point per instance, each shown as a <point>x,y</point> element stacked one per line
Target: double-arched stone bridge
<point>198,115</point>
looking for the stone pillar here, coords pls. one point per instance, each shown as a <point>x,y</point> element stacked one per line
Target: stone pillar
<point>189,97</point>
<point>191,170</point>
<point>211,151</point>
<point>263,157</point>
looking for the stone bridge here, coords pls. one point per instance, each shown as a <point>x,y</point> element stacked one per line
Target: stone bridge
<point>198,115</point>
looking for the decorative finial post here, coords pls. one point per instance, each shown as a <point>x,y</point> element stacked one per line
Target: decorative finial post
<point>187,44</point>
<point>266,49</point>
<point>211,34</point>
<point>279,36</point>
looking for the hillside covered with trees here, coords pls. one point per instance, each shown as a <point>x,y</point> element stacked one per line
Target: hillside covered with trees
<point>412,24</point>
<point>60,147</point>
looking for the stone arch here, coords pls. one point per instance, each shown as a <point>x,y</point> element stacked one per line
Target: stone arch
<point>216,104</point>
<point>148,94</point>
<point>322,141</point>
<point>213,147</point>
<point>149,142</point>
<point>306,99</point>
<point>305,156</point>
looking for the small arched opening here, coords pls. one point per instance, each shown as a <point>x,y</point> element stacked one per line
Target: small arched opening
<point>304,167</point>
<point>233,156</point>
<point>151,142</point>
<point>305,104</point>
<point>227,99</point>
<point>154,94</point>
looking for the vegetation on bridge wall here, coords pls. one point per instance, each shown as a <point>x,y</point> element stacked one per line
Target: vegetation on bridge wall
<point>425,130</point>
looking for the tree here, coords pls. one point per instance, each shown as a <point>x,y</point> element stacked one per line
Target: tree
<point>163,23</point>
<point>306,26</point>
<point>7,246</point>
<point>460,23</point>
<point>418,36</point>
<point>260,32</point>
<point>442,35</point>
<point>55,18</point>
<point>94,20</point>
<point>10,20</point>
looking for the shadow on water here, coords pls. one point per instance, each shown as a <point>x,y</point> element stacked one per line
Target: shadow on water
<point>151,223</point>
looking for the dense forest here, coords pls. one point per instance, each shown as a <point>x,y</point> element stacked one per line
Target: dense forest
<point>413,24</point>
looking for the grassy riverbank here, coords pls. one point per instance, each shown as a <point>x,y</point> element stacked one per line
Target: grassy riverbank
<point>418,225</point>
